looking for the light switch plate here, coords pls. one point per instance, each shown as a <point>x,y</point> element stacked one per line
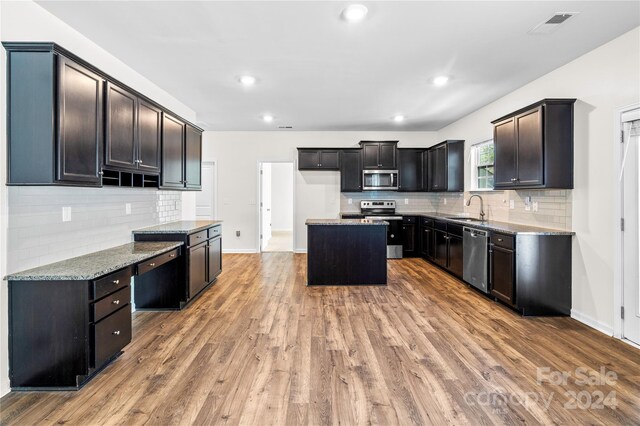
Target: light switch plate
<point>535,206</point>
<point>512,204</point>
<point>406,201</point>
<point>527,207</point>
<point>444,200</point>
<point>350,201</point>
<point>66,214</point>
<point>127,208</point>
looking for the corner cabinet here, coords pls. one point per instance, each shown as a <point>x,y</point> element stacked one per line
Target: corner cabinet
<point>351,170</point>
<point>446,166</point>
<point>55,119</point>
<point>318,159</point>
<point>534,146</point>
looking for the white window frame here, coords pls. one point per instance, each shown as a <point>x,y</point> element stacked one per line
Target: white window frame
<point>473,162</point>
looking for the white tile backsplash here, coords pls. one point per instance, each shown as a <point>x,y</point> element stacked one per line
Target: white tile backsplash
<point>37,236</point>
<point>554,206</point>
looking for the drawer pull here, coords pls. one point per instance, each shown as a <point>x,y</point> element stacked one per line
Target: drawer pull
<point>117,332</point>
<point>152,264</point>
<point>499,239</point>
<point>116,281</point>
<point>116,302</point>
<point>173,255</point>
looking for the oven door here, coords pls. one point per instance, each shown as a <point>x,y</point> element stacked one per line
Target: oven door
<point>379,180</point>
<point>394,235</point>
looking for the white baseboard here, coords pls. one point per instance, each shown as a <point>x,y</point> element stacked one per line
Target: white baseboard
<point>281,230</point>
<point>300,250</point>
<point>591,322</point>
<point>239,251</point>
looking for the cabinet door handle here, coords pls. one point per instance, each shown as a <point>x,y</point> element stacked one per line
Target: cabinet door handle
<point>152,264</point>
<point>117,332</point>
<point>116,282</point>
<point>100,173</point>
<point>173,255</point>
<point>499,239</point>
<point>116,302</point>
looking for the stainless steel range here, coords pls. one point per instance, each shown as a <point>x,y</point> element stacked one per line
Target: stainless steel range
<point>386,210</point>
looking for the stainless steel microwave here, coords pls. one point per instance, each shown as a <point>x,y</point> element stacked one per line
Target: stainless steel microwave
<point>380,180</point>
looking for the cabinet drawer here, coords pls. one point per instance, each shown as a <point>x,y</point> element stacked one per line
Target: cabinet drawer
<point>159,260</point>
<point>197,238</point>
<point>215,231</point>
<point>425,221</point>
<point>409,219</point>
<point>504,241</point>
<point>442,226</point>
<point>454,229</point>
<point>110,283</point>
<point>110,335</point>
<point>109,304</point>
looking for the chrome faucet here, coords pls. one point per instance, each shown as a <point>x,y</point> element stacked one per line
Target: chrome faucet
<point>481,205</point>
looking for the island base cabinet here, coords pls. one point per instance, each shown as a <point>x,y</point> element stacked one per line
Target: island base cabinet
<point>214,254</point>
<point>502,274</point>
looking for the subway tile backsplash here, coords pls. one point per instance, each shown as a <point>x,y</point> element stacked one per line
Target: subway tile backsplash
<point>37,235</point>
<point>554,206</point>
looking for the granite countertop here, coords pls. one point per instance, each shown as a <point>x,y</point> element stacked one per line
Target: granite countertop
<point>345,222</point>
<point>97,264</point>
<point>179,227</point>
<point>505,227</point>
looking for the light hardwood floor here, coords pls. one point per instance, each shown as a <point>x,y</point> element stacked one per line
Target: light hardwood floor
<point>261,348</point>
<point>280,241</point>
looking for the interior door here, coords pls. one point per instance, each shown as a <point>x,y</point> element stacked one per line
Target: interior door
<point>205,198</point>
<point>265,204</point>
<point>631,235</point>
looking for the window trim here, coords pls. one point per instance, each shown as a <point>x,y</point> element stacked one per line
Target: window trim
<point>473,163</point>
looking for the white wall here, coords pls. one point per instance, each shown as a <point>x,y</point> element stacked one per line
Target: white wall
<point>316,194</point>
<point>26,21</point>
<point>282,196</point>
<point>603,80</point>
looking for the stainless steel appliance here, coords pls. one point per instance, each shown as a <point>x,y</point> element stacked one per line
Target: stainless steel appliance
<point>386,210</point>
<point>380,180</point>
<point>475,258</point>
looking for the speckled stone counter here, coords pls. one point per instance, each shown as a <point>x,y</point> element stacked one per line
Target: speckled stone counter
<point>345,222</point>
<point>97,264</point>
<point>179,227</point>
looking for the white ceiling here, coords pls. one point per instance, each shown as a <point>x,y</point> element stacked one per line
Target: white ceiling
<point>317,72</point>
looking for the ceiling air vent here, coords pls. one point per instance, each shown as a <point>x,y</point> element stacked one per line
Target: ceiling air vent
<point>551,24</point>
<point>285,127</point>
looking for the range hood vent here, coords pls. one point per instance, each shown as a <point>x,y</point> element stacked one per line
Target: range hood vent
<point>551,24</point>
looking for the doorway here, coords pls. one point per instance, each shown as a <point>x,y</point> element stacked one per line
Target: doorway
<point>276,206</point>
<point>630,229</point>
<point>206,199</point>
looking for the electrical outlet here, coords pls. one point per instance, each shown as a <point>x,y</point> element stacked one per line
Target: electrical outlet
<point>512,204</point>
<point>406,201</point>
<point>350,201</point>
<point>237,233</point>
<point>177,205</point>
<point>444,200</point>
<point>535,206</point>
<point>66,214</point>
<point>527,203</point>
<point>127,208</point>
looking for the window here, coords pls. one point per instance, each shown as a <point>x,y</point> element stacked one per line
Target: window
<point>482,166</point>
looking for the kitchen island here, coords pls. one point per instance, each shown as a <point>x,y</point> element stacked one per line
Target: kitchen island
<point>346,252</point>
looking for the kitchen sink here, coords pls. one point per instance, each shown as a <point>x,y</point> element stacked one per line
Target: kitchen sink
<point>465,219</point>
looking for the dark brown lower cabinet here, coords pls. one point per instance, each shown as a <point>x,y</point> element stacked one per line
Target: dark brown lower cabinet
<point>455,261</point>
<point>197,269</point>
<point>426,242</point>
<point>440,247</point>
<point>502,274</point>
<point>214,254</point>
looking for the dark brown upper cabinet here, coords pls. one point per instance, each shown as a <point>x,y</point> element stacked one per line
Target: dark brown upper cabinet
<point>149,136</point>
<point>67,119</point>
<point>172,152</point>
<point>534,146</point>
<point>121,128</point>
<point>193,158</point>
<point>410,170</point>
<point>55,117</point>
<point>351,170</point>
<point>446,166</point>
<point>132,134</point>
<point>318,159</point>
<point>379,154</point>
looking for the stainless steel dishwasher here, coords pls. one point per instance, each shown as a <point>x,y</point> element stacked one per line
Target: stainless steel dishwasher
<point>475,254</point>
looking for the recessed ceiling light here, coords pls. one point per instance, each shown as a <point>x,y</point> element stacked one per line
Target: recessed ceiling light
<point>267,118</point>
<point>247,80</point>
<point>354,12</point>
<point>441,80</point>
<point>399,118</point>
